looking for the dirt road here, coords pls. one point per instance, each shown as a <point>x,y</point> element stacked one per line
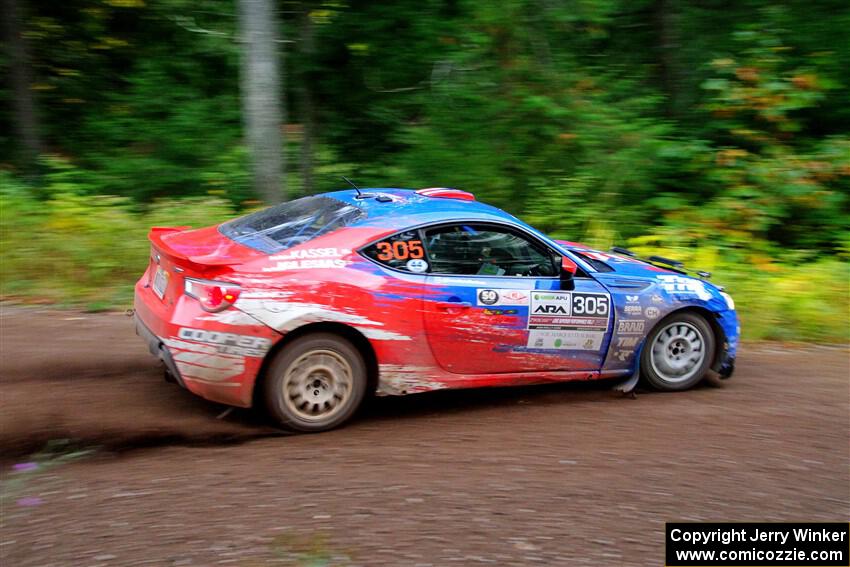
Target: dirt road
<point>557,475</point>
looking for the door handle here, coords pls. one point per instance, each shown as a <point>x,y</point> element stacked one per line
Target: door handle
<point>449,305</point>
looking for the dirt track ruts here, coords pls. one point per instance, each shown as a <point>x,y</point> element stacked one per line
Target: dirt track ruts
<point>560,475</point>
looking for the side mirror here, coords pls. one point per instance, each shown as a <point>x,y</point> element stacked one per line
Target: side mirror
<point>568,272</point>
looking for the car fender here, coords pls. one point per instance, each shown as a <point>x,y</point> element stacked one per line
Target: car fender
<point>641,303</point>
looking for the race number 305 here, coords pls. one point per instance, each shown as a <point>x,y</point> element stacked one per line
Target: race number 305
<point>590,304</point>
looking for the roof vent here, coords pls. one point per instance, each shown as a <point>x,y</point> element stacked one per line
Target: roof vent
<point>446,193</point>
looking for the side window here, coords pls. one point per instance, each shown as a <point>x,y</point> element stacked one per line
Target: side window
<point>471,249</point>
<point>402,251</point>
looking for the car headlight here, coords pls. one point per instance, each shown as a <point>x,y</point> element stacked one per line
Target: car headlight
<point>730,303</point>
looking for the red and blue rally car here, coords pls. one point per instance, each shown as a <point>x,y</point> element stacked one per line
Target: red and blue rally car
<point>308,306</point>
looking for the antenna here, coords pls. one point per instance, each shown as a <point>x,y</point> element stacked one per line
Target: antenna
<point>359,194</point>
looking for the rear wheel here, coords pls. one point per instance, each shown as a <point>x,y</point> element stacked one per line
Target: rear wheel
<point>678,352</point>
<point>315,383</point>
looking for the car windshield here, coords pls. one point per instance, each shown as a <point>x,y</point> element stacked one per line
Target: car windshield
<point>290,224</point>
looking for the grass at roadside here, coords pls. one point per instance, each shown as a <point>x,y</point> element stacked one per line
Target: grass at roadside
<point>798,297</point>
<point>84,250</point>
<point>74,250</point>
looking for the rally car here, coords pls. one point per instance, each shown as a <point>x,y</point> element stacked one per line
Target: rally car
<point>308,306</point>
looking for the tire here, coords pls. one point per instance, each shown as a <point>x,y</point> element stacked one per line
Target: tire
<point>315,383</point>
<point>678,352</point>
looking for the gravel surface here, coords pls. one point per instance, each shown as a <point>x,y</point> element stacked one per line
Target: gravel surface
<point>569,474</point>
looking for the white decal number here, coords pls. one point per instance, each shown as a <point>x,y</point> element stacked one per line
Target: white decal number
<point>590,305</point>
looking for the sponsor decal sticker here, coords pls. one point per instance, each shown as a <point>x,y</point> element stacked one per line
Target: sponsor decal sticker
<point>630,327</point>
<point>565,339</point>
<point>501,311</point>
<point>656,299</point>
<point>684,286</point>
<point>632,310</point>
<point>623,355</point>
<point>546,322</point>
<point>627,342</point>
<point>488,296</point>
<point>632,298</point>
<point>417,265</point>
<point>568,310</point>
<point>502,297</point>
<point>652,312</point>
<point>228,343</point>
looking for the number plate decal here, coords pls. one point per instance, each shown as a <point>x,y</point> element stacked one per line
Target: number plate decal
<point>160,282</point>
<point>567,310</point>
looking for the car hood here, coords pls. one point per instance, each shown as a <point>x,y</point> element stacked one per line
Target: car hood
<point>621,264</point>
<point>631,275</point>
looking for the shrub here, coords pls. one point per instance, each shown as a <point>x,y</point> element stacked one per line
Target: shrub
<point>75,249</point>
<point>88,250</point>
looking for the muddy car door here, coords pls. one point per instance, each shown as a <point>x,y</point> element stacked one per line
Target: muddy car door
<point>494,303</point>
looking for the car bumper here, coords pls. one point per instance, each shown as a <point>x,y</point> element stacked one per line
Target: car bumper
<point>731,327</point>
<point>159,350</point>
<point>203,352</point>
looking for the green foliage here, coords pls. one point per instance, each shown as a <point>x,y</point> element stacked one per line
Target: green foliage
<point>806,300</point>
<point>773,184</point>
<point>779,294</point>
<point>77,249</point>
<point>308,550</point>
<point>718,132</point>
<point>81,249</point>
<point>141,94</point>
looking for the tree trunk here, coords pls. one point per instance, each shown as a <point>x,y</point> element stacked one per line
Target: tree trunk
<point>305,94</point>
<point>665,21</point>
<point>262,93</point>
<point>24,113</point>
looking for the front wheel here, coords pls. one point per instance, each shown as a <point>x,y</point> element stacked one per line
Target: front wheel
<point>678,352</point>
<point>316,383</point>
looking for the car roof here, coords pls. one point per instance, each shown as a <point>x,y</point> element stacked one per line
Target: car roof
<point>408,208</point>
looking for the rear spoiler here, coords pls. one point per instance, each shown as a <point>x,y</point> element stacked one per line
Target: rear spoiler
<point>156,235</point>
<point>661,262</point>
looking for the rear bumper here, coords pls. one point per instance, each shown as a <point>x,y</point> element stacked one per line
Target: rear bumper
<point>214,355</point>
<point>159,350</point>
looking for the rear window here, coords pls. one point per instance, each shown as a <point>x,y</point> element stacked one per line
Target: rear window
<point>290,224</point>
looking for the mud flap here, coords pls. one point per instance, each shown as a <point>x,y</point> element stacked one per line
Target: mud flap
<point>172,374</point>
<point>159,350</point>
<point>727,369</point>
<point>628,386</point>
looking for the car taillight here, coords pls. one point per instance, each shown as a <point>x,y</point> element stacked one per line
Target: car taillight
<point>213,296</point>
